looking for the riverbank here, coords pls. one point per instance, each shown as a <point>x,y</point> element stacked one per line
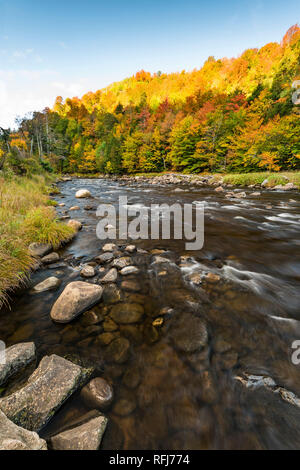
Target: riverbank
<point>26,216</point>
<point>285,181</point>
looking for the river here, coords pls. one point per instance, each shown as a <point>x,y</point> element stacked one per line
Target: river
<point>167,397</point>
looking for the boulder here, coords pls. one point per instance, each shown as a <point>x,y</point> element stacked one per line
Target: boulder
<point>240,195</point>
<point>74,208</point>
<point>39,249</point>
<point>89,207</point>
<point>212,278</point>
<point>76,298</point>
<point>88,271</point>
<point>86,436</point>
<point>16,357</point>
<point>48,284</point>
<point>105,258</point>
<point>129,270</point>
<point>52,258</point>
<point>50,385</point>
<point>286,187</point>
<point>98,394</point>
<point>121,263</point>
<point>219,189</point>
<point>13,437</point>
<point>110,276</point>
<point>256,193</point>
<point>75,224</point>
<point>82,193</point>
<point>160,260</point>
<point>130,248</point>
<point>127,313</point>
<point>109,247</point>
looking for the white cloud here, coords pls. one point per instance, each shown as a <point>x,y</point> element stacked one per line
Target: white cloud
<point>69,89</point>
<point>23,91</point>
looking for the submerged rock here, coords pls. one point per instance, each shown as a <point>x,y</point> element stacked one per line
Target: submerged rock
<point>48,284</point>
<point>189,333</point>
<point>76,298</point>
<point>74,208</point>
<point>98,394</point>
<point>124,407</point>
<point>46,390</point>
<point>127,313</point>
<point>82,193</point>
<point>40,249</point>
<point>111,294</point>
<point>118,350</point>
<point>131,286</point>
<point>13,437</point>
<point>16,357</point>
<point>86,436</point>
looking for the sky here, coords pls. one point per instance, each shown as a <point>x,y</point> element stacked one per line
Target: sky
<point>70,47</point>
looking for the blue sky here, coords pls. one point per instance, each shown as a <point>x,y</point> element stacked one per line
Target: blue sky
<point>69,47</point>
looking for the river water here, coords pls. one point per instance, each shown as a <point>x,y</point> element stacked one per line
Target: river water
<point>167,397</point>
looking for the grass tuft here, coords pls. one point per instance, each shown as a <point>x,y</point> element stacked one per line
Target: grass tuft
<point>25,217</point>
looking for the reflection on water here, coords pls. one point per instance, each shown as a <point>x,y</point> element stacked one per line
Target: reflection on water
<point>168,394</point>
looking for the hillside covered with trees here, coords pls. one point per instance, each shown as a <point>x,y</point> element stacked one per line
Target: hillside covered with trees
<point>232,115</point>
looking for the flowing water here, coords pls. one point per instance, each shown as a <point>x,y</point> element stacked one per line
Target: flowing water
<point>165,396</point>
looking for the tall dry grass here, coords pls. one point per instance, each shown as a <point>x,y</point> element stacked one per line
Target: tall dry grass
<point>25,217</point>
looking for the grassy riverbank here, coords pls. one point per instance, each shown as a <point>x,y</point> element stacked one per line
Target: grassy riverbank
<point>26,216</point>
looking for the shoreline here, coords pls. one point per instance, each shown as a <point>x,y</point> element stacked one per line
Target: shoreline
<point>286,181</point>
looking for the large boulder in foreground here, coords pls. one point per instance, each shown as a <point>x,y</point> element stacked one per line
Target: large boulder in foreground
<point>16,357</point>
<point>82,193</point>
<point>12,437</point>
<point>51,384</point>
<point>85,436</point>
<point>77,297</point>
